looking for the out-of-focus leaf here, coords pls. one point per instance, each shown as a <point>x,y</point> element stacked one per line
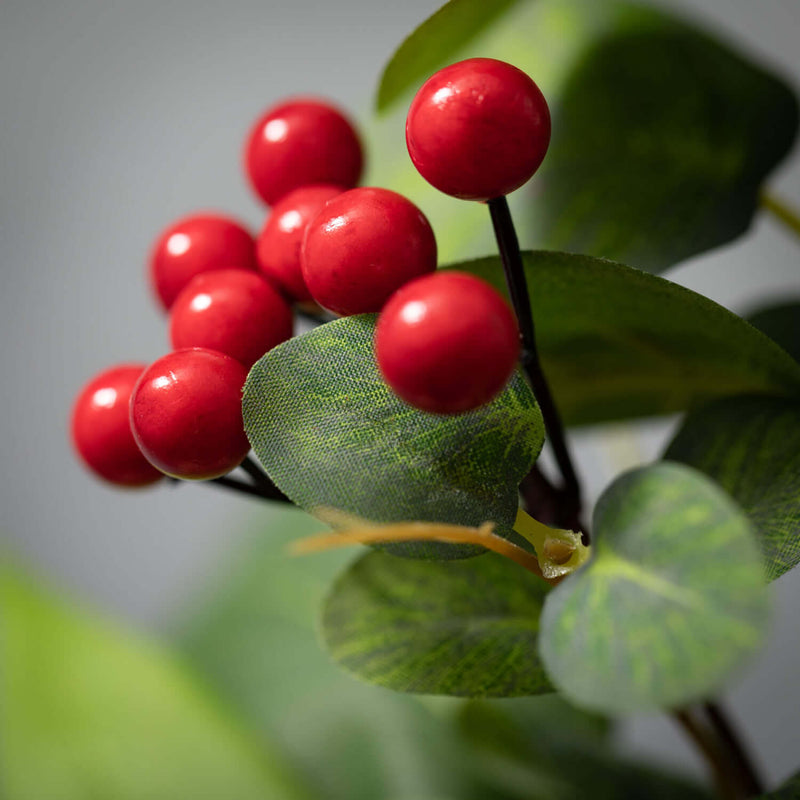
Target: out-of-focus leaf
<point>672,602</point>
<point>335,438</point>
<point>86,712</point>
<point>751,447</point>
<point>789,791</point>
<point>454,25</point>
<point>782,324</point>
<point>554,754</point>
<point>467,628</point>
<point>662,135</point>
<point>254,640</point>
<point>616,342</point>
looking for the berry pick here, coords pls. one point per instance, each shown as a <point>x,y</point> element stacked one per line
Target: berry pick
<point>186,414</point>
<point>300,142</point>
<point>478,129</point>
<point>447,342</point>
<point>101,430</point>
<point>364,245</point>
<point>196,244</point>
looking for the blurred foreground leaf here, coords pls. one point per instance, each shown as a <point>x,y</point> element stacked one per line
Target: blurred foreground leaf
<point>789,791</point>
<point>335,438</point>
<point>671,603</point>
<point>751,447</point>
<point>662,135</point>
<point>616,342</point>
<point>467,629</point>
<point>86,712</point>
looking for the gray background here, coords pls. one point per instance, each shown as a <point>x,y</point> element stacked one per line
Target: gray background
<point>118,117</point>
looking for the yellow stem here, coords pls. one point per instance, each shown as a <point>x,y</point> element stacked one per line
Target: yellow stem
<point>421,531</point>
<point>787,215</point>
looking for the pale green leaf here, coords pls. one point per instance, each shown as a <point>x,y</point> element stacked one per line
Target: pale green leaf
<point>672,603</point>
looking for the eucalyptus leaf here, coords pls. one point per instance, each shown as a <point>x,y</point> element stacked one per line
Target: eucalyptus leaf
<point>616,342</point>
<point>88,712</point>
<point>751,447</point>
<point>662,134</point>
<point>789,791</point>
<point>466,628</point>
<point>671,604</point>
<point>781,323</point>
<point>341,444</point>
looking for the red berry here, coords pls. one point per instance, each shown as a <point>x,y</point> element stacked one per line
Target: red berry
<point>186,414</point>
<point>447,342</point>
<point>101,430</point>
<point>478,129</point>
<point>233,311</point>
<point>300,142</point>
<point>363,246</point>
<point>278,245</point>
<point>197,244</point>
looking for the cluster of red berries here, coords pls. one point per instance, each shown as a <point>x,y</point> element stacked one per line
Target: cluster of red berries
<point>446,342</point>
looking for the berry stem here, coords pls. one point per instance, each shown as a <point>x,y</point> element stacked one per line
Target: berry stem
<point>779,208</point>
<point>508,244</point>
<point>728,736</point>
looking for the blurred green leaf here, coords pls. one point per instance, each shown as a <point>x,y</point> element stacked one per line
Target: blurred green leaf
<point>662,135</point>
<point>789,791</point>
<point>671,603</point>
<point>86,712</point>
<point>254,640</point>
<point>333,436</point>
<point>454,25</point>
<point>466,628</point>
<point>552,753</point>
<point>616,342</point>
<point>751,447</point>
<point>782,324</point>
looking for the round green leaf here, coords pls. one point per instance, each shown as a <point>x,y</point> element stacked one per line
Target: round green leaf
<point>335,438</point>
<point>87,712</point>
<point>751,447</point>
<point>662,135</point>
<point>672,602</point>
<point>617,342</point>
<point>465,628</point>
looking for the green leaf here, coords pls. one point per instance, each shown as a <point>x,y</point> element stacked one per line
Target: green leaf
<point>466,628</point>
<point>782,324</point>
<point>672,602</point>
<point>453,26</point>
<point>333,437</point>
<point>552,753</point>
<point>751,447</point>
<point>789,791</point>
<point>662,135</point>
<point>86,712</point>
<point>254,640</point>
<point>616,342</point>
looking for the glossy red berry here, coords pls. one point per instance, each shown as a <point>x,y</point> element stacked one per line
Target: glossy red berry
<point>478,129</point>
<point>279,243</point>
<point>363,246</point>
<point>234,311</point>
<point>101,430</point>
<point>197,244</point>
<point>447,342</point>
<point>300,142</point>
<point>186,414</point>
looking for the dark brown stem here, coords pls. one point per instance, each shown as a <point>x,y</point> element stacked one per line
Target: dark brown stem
<point>741,760</point>
<point>241,486</point>
<point>709,747</point>
<point>508,244</point>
